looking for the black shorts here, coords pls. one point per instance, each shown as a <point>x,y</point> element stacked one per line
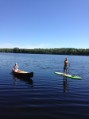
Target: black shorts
<point>66,67</point>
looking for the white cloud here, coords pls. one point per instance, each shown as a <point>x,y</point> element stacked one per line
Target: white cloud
<point>6,45</point>
<point>9,45</point>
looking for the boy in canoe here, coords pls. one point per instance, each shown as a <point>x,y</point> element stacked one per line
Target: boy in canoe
<point>15,67</point>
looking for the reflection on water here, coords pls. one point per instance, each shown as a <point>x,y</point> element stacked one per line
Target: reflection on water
<point>65,84</point>
<point>27,80</point>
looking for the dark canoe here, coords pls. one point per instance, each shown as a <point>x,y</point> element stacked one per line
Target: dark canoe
<point>22,74</point>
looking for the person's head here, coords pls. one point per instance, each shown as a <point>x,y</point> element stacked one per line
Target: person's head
<point>66,59</point>
<point>16,63</point>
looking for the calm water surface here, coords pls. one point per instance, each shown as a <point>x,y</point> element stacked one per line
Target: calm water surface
<point>45,95</point>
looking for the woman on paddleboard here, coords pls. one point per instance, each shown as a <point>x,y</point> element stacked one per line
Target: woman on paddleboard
<point>66,66</point>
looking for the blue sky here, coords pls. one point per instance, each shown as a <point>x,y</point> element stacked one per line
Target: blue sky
<point>44,23</point>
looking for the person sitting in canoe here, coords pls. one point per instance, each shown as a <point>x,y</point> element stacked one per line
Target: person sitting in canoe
<point>15,67</point>
<point>66,66</point>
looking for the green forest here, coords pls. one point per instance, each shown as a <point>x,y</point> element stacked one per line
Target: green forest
<point>58,51</point>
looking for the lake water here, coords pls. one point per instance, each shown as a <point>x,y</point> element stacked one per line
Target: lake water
<point>46,95</point>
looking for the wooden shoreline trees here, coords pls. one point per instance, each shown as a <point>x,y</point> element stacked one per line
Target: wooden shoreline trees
<point>58,51</point>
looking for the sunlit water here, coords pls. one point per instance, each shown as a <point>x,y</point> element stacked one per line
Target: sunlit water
<point>45,95</point>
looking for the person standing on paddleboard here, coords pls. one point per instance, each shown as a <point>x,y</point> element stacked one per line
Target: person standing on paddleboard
<point>66,66</point>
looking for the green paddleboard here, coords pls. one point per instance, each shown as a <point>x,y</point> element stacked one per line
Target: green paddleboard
<point>68,75</point>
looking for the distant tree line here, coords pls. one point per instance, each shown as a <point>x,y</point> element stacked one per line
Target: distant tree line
<point>59,51</point>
